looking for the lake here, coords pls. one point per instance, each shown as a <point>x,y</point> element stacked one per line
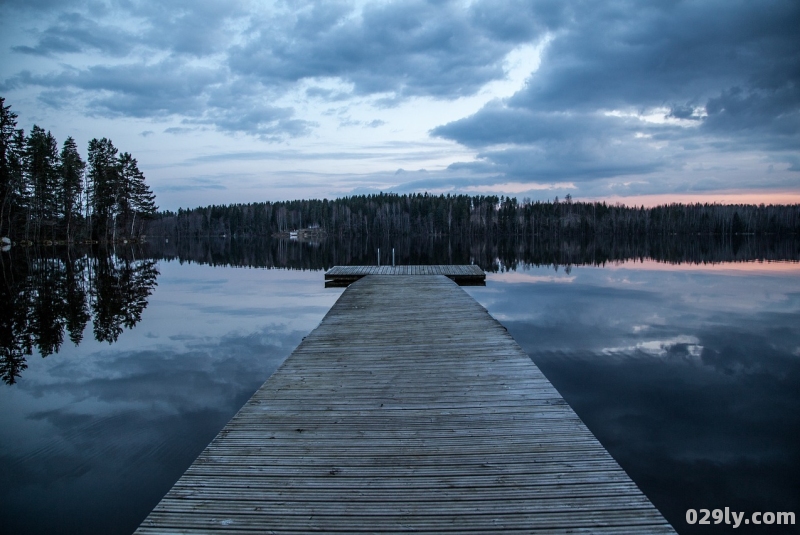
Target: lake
<point>689,374</point>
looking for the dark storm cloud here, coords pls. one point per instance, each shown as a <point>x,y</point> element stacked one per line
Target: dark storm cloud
<point>402,49</point>
<point>191,27</point>
<point>631,53</point>
<point>731,69</point>
<point>74,33</point>
<point>554,145</point>
<point>199,94</point>
<point>268,122</point>
<point>195,28</point>
<point>406,48</point>
<point>578,160</point>
<point>775,114</point>
<point>134,90</point>
<point>34,5</point>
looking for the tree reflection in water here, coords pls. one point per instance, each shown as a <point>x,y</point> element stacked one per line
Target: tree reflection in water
<point>48,294</point>
<point>45,294</point>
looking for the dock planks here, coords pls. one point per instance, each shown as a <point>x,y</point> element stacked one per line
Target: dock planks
<point>408,409</point>
<point>463,275</point>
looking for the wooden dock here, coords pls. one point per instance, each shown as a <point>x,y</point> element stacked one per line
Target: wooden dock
<point>339,276</point>
<point>409,409</point>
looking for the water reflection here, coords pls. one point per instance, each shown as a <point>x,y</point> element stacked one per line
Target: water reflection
<point>47,295</point>
<point>490,253</point>
<point>688,377</point>
<point>91,439</point>
<point>56,292</point>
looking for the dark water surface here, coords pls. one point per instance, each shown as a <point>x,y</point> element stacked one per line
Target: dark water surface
<point>689,375</point>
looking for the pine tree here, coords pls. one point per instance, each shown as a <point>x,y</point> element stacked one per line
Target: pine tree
<point>21,198</point>
<point>143,201</point>
<point>71,175</point>
<point>137,202</point>
<point>128,171</point>
<point>41,168</point>
<point>8,186</point>
<point>103,186</point>
<point>41,188</point>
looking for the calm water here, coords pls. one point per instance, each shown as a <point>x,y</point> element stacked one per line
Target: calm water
<point>690,376</point>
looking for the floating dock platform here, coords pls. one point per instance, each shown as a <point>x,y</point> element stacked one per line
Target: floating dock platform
<point>409,409</point>
<point>471,275</point>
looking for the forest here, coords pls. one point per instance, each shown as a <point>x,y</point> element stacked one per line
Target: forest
<point>51,195</point>
<point>387,215</point>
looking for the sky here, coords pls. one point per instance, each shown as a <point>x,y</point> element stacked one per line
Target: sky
<point>639,102</point>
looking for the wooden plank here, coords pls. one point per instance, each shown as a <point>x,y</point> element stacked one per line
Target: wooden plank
<point>409,408</point>
<point>464,275</point>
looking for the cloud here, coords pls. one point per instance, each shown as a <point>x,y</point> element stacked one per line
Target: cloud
<point>400,48</point>
<point>615,97</point>
<point>152,60</point>
<point>286,154</point>
<point>170,88</point>
<point>545,146</point>
<point>623,53</point>
<point>774,115</point>
<point>269,122</point>
<point>727,76</point>
<point>329,95</point>
<point>192,187</point>
<point>133,90</point>
<point>197,28</point>
<point>178,130</point>
<point>74,33</point>
<point>191,27</point>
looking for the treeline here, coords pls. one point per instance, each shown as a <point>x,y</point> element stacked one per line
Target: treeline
<point>50,295</point>
<point>47,194</point>
<point>387,214</point>
<point>491,253</point>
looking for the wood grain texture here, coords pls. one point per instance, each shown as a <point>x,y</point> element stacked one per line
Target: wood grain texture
<point>409,409</point>
<point>339,276</point>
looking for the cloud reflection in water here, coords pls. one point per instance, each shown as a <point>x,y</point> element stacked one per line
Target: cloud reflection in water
<point>690,378</point>
<point>88,434</point>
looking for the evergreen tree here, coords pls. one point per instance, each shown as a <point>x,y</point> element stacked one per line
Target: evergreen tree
<point>71,187</point>
<point>41,168</point>
<point>21,197</point>
<point>118,195</point>
<point>103,186</point>
<point>42,191</point>
<point>8,126</point>
<point>142,200</point>
<point>11,145</point>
